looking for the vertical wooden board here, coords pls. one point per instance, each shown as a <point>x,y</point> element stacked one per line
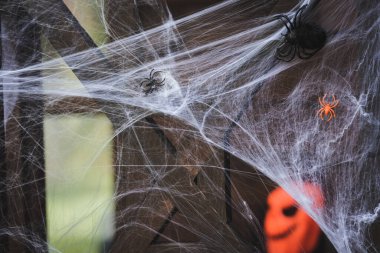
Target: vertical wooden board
<point>24,152</point>
<point>196,165</point>
<point>25,181</point>
<point>211,181</point>
<point>15,216</point>
<point>200,158</point>
<point>33,163</point>
<point>142,206</point>
<point>152,13</point>
<point>177,228</point>
<point>3,168</point>
<point>249,192</point>
<point>204,220</point>
<point>122,18</point>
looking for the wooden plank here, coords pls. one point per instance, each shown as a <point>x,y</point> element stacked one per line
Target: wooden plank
<point>142,206</point>
<point>203,170</point>
<point>201,160</point>
<point>24,152</point>
<point>25,179</point>
<point>3,168</point>
<point>13,184</point>
<point>205,220</point>
<point>122,18</point>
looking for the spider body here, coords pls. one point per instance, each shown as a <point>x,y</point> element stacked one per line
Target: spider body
<point>327,109</point>
<point>153,83</point>
<point>302,38</point>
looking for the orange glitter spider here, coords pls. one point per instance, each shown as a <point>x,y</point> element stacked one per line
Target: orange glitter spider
<point>327,108</point>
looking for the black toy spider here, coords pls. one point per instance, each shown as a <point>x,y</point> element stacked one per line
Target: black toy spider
<point>152,83</point>
<point>302,38</point>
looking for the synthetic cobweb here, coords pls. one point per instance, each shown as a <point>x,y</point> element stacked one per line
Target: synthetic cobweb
<point>225,88</point>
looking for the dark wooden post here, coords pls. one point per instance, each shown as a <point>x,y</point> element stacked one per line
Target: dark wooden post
<point>23,172</point>
<point>3,172</point>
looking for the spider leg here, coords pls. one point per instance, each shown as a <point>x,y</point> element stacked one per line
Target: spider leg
<point>297,16</point>
<point>319,111</point>
<point>321,102</point>
<point>333,113</point>
<point>323,99</point>
<point>293,53</point>
<point>161,83</point>
<point>321,115</point>
<point>334,103</point>
<point>286,21</point>
<point>282,45</point>
<point>148,91</point>
<point>283,16</point>
<point>150,74</point>
<point>284,52</point>
<point>156,73</point>
<point>146,82</point>
<point>330,116</point>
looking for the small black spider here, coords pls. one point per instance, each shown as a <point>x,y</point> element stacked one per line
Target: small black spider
<point>152,83</point>
<point>302,38</point>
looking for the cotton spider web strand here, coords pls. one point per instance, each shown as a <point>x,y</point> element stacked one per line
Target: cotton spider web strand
<point>279,135</point>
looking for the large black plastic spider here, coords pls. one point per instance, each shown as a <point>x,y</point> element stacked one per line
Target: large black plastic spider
<point>153,83</point>
<point>302,38</point>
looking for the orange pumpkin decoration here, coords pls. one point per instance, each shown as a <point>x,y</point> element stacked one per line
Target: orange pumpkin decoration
<point>288,229</point>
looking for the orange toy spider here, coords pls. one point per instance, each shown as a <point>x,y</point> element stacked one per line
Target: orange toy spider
<point>327,108</point>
